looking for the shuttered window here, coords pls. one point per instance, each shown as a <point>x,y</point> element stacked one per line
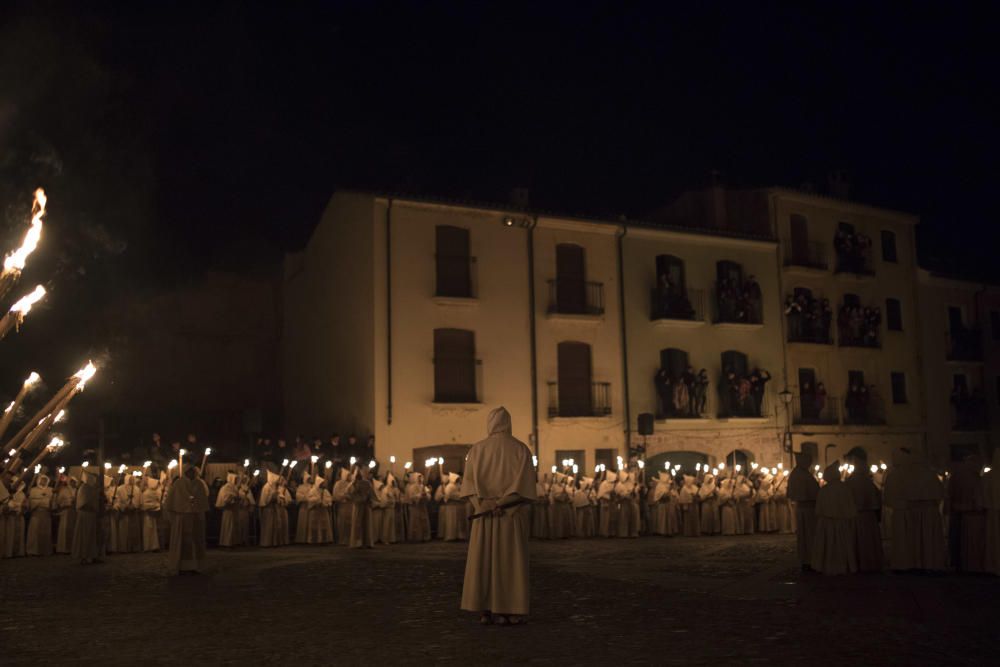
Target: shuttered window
<point>454,277</point>
<point>454,366</point>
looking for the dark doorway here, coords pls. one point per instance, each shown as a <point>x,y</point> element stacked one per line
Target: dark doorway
<point>807,395</point>
<point>574,380</point>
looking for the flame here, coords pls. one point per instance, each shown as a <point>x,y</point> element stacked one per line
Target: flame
<point>208,451</point>
<point>314,458</point>
<point>62,469</point>
<point>640,462</point>
<point>55,443</point>
<point>107,465</point>
<point>9,407</point>
<point>576,469</point>
<point>121,468</point>
<point>408,465</point>
<point>15,261</point>
<point>84,374</point>
<point>329,464</point>
<point>284,464</point>
<point>246,463</point>
<point>38,468</point>
<point>32,379</point>
<point>371,464</point>
<point>392,459</point>
<point>86,464</point>
<point>24,305</point>
<point>293,464</point>
<point>60,416</point>
<point>256,473</point>
<point>172,464</point>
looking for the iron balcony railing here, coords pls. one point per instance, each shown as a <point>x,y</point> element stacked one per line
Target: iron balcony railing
<point>576,402</point>
<point>812,408</point>
<point>812,255</point>
<point>863,408</point>
<point>965,344</point>
<point>677,304</point>
<point>969,413</point>
<point>734,305</point>
<point>734,406</point>
<point>569,296</point>
<point>856,260</point>
<point>809,321</point>
<point>457,277</point>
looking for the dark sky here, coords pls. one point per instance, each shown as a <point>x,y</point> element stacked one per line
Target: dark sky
<point>177,138</point>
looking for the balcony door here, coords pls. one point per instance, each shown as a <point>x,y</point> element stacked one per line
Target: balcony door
<point>574,380</point>
<point>452,256</point>
<point>454,366</point>
<point>571,279</point>
<point>800,238</point>
<point>673,269</point>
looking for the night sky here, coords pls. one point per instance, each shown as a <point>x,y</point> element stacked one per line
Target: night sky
<point>204,135</point>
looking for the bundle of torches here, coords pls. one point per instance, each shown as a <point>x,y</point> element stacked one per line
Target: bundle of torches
<point>25,443</point>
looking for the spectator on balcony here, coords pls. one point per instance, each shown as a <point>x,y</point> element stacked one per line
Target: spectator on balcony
<point>808,402</point>
<point>682,398</point>
<point>758,379</point>
<point>664,390</point>
<point>793,312</point>
<point>689,380</point>
<point>750,301</point>
<point>820,399</point>
<point>700,393</point>
<point>673,301</point>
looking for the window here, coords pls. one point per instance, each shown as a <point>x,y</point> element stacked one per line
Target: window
<point>893,315</point>
<point>454,366</point>
<point>995,324</point>
<point>606,457</point>
<point>454,274</point>
<point>578,457</point>
<point>888,246</point>
<point>571,282</point>
<point>898,387</point>
<point>575,399</point>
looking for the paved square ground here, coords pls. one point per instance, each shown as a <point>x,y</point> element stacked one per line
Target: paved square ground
<point>646,601</point>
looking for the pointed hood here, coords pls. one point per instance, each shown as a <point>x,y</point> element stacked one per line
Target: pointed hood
<point>499,423</point>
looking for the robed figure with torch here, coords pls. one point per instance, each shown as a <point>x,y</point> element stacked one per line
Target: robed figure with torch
<point>187,501</point>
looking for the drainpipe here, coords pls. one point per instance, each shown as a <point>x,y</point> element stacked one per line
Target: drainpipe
<point>388,310</point>
<point>624,332</point>
<point>531,324</point>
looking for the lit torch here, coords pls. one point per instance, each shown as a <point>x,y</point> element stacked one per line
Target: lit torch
<point>8,414</point>
<point>14,263</point>
<point>15,316</point>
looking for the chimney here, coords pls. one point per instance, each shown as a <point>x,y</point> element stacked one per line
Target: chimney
<point>519,197</point>
<point>839,184</point>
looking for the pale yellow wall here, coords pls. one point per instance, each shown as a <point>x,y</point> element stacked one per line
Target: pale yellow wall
<point>328,324</point>
<point>603,335</point>
<point>704,344</point>
<point>900,350</point>
<point>499,317</point>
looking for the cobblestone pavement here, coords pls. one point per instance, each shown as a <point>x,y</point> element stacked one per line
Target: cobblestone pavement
<point>651,600</point>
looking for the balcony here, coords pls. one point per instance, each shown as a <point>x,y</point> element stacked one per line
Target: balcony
<point>576,401</point>
<point>808,319</point>
<point>574,299</point>
<point>815,409</point>
<point>812,255</point>
<point>855,261</point>
<point>738,305</point>
<point>731,406</point>
<point>457,279</point>
<point>969,413</point>
<point>859,327</point>
<point>863,409</point>
<point>965,345</point>
<point>687,403</point>
<point>677,308</point>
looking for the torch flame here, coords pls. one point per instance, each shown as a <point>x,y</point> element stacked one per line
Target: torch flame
<point>146,464</point>
<point>293,464</point>
<point>60,416</point>
<point>107,465</point>
<point>246,463</point>
<point>15,261</point>
<point>371,464</point>
<point>55,443</point>
<point>84,374</point>
<point>9,407</point>
<point>172,464</point>
<point>24,305</point>
<point>329,464</point>
<point>314,458</point>
<point>32,379</point>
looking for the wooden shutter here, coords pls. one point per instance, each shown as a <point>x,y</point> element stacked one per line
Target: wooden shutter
<point>452,256</point>
<point>574,380</point>
<point>571,287</point>
<point>454,366</point>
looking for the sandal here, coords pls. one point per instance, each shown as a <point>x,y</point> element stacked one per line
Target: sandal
<point>486,618</point>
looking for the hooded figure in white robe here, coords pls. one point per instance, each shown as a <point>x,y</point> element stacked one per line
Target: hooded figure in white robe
<point>660,510</point>
<point>802,491</point>
<point>16,506</point>
<point>914,492</point>
<point>688,498</point>
<point>991,496</point>
<point>709,496</point>
<point>418,523</point>
<point>127,517</point>
<point>562,522</point>
<point>342,507</point>
<point>868,534</point>
<point>187,501</point>
<point>765,504</point>
<point>498,473</point>
<point>65,508</point>
<point>282,527</point>
<point>967,517</point>
<point>835,547</point>
<point>243,507</point>
<point>782,507</point>
<point>744,494</point>
<point>319,527</point>
<point>540,510</point>
<point>361,494</point>
<point>109,517</point>
<point>152,505</point>
<point>302,508</point>
<point>268,503</point>
<point>86,547</point>
<point>451,511</point>
<point>227,500</point>
<point>608,506</point>
<point>379,510</point>
<point>583,508</point>
<point>729,522</point>
<point>626,494</point>
<point>40,499</point>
